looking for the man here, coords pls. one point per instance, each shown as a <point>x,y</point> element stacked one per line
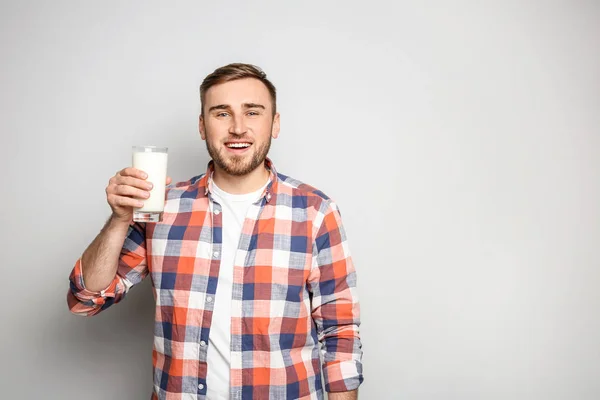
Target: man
<point>250,268</point>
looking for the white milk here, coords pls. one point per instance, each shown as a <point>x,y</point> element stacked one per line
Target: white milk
<point>155,165</point>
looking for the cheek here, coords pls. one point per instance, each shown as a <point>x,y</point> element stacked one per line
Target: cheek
<point>212,140</point>
<point>213,131</point>
<point>261,128</point>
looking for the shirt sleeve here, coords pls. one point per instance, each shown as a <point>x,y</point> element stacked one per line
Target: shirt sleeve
<point>132,270</point>
<point>335,306</point>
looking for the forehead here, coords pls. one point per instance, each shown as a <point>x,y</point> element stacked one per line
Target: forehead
<point>240,91</point>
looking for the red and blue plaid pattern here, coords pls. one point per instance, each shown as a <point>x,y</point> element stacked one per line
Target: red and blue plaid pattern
<point>294,287</point>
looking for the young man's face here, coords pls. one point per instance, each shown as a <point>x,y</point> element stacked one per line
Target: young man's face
<point>238,124</point>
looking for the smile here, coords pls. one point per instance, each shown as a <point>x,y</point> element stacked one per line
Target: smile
<point>242,145</point>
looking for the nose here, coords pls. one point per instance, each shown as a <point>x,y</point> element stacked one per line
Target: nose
<point>238,125</point>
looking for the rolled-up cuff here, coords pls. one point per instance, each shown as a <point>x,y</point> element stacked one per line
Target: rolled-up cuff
<point>342,376</point>
<point>85,295</point>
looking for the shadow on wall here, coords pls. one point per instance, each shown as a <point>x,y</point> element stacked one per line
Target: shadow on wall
<point>126,321</point>
<point>115,344</point>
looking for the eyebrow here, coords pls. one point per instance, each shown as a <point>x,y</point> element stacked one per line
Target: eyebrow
<point>253,105</point>
<point>228,107</point>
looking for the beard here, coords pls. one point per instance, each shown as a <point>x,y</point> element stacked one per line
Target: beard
<point>237,165</point>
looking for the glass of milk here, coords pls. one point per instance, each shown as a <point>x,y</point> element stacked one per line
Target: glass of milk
<point>153,161</point>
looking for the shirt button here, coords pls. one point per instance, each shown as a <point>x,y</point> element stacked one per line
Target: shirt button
<point>216,254</point>
<point>202,343</point>
<point>200,386</point>
<point>217,212</point>
<point>209,299</point>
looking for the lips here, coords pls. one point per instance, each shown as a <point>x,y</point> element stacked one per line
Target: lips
<point>237,147</point>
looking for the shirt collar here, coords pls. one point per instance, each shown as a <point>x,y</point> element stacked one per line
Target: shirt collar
<point>207,181</point>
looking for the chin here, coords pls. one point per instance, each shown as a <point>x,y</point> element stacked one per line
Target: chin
<point>238,166</point>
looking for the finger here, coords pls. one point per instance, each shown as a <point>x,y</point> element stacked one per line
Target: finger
<point>130,191</point>
<point>129,202</point>
<point>134,172</point>
<point>134,182</point>
<point>169,180</point>
<point>120,201</point>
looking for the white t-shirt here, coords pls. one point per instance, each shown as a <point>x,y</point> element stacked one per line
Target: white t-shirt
<point>234,208</point>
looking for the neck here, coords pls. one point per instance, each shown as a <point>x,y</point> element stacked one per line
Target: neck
<point>243,184</point>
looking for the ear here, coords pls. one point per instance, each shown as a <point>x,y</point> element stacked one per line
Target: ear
<point>201,127</point>
<point>276,127</point>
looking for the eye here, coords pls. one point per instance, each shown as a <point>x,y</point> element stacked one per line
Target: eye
<point>222,114</point>
<point>253,113</point>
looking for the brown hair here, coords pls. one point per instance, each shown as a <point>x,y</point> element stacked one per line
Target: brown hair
<point>235,71</point>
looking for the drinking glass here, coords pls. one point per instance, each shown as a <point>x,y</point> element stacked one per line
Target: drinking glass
<point>153,161</point>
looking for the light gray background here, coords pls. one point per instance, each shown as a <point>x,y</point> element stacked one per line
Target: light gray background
<point>461,141</point>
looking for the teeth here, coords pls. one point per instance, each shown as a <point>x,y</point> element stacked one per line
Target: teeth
<point>238,145</point>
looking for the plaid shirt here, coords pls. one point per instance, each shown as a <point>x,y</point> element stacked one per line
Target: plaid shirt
<point>294,286</point>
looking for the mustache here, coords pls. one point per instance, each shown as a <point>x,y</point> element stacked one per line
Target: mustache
<point>238,139</point>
